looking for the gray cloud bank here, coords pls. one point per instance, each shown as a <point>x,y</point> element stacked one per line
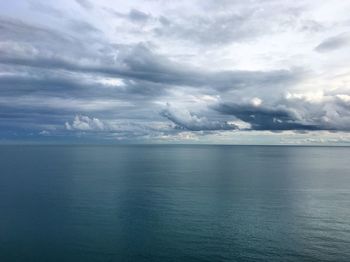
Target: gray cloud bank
<point>73,77</point>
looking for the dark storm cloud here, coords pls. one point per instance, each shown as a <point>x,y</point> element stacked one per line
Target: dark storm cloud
<point>334,43</point>
<point>77,87</point>
<point>264,118</point>
<point>59,86</point>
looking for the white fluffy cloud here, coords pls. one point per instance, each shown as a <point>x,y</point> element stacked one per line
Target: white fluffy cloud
<point>84,123</point>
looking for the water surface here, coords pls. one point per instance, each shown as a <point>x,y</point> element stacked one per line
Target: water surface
<point>174,203</point>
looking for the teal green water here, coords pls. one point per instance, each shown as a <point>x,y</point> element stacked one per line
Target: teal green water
<point>174,203</point>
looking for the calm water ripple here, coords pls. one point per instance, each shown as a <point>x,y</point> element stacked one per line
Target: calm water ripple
<point>174,203</point>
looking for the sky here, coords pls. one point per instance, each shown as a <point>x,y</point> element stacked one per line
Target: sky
<point>161,71</point>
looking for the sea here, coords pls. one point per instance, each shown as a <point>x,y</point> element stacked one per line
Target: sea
<point>174,203</point>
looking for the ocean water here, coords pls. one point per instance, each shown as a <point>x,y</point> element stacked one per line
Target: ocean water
<point>174,203</point>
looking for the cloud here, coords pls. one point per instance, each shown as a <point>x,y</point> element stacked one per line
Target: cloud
<point>295,111</point>
<point>44,133</point>
<point>136,62</point>
<point>226,24</point>
<point>134,15</point>
<point>85,4</point>
<point>209,67</point>
<point>334,43</point>
<point>190,121</point>
<point>263,117</point>
<point>327,111</point>
<point>138,16</point>
<point>82,27</point>
<point>125,130</point>
<point>84,123</point>
<point>44,9</point>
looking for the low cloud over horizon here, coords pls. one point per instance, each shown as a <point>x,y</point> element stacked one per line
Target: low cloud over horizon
<point>240,72</point>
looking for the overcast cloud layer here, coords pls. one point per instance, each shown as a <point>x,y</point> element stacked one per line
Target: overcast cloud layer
<point>205,71</point>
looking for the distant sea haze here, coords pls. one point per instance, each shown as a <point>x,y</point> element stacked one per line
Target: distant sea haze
<point>174,203</point>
